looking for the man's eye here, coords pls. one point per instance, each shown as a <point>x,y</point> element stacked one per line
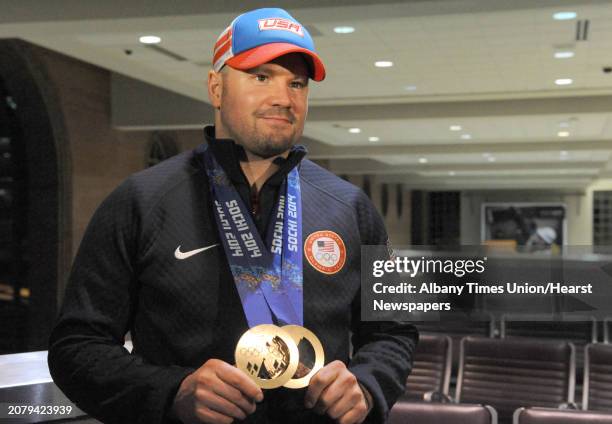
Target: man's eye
<point>298,84</point>
<point>261,77</point>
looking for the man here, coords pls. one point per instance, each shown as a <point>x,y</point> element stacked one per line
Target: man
<point>161,254</point>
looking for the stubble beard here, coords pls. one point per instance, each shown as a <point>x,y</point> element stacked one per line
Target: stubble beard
<point>255,140</point>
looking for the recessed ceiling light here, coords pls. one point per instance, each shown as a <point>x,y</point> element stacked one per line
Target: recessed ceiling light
<point>150,39</point>
<point>383,64</point>
<point>564,16</point>
<point>373,139</point>
<point>466,137</point>
<point>451,173</point>
<point>491,159</point>
<point>422,160</point>
<point>354,130</point>
<point>564,81</point>
<point>563,134</point>
<point>486,154</point>
<point>455,127</point>
<point>563,153</point>
<point>564,55</point>
<point>410,87</point>
<point>344,29</point>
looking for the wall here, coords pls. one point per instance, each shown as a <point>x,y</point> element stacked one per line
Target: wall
<point>101,156</point>
<point>398,227</point>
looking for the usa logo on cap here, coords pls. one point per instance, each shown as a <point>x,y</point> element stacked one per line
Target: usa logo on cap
<point>280,24</point>
<point>261,35</point>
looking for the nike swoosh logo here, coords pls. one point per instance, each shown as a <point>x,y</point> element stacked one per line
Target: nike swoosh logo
<point>184,255</point>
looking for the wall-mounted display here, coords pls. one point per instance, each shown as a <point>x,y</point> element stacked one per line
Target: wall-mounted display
<point>527,227</point>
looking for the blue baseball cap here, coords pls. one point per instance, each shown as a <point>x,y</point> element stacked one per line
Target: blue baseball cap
<point>261,35</point>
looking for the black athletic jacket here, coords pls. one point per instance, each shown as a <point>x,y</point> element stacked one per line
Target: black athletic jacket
<point>183,312</point>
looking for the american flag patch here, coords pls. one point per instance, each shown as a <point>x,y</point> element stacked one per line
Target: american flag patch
<point>325,251</point>
<point>326,246</point>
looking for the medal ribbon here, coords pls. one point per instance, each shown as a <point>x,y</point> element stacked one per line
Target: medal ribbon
<point>268,276</point>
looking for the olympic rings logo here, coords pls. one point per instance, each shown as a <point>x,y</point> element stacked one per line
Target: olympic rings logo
<point>250,351</point>
<point>327,257</point>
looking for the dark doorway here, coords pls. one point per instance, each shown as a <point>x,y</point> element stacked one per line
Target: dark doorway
<point>14,293</point>
<point>32,217</point>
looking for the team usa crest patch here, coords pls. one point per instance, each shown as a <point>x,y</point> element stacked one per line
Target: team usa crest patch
<point>325,251</point>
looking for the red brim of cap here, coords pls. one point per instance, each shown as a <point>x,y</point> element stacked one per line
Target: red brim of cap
<point>264,54</point>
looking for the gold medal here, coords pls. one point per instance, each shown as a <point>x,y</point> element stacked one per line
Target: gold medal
<point>268,355</point>
<point>311,355</point>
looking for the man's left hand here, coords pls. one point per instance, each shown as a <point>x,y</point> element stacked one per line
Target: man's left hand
<point>334,391</point>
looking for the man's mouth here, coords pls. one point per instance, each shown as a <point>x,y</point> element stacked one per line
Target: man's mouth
<point>280,116</point>
<point>277,119</point>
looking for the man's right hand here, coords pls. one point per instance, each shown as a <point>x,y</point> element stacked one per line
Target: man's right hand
<point>217,392</point>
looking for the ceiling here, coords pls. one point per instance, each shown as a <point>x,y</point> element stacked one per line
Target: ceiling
<point>487,68</point>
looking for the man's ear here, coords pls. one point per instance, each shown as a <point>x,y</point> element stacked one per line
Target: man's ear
<point>215,88</point>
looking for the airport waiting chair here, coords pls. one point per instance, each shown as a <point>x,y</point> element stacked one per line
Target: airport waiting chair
<point>580,331</point>
<point>510,373</point>
<point>482,325</point>
<point>431,370</point>
<point>479,325</point>
<point>441,413</point>
<point>597,386</point>
<point>559,416</point>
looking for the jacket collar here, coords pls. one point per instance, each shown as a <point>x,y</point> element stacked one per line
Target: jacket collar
<point>229,154</point>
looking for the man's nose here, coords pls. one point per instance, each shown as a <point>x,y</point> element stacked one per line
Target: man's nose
<point>280,95</point>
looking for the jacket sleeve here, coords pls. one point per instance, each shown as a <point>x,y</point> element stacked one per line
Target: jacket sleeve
<point>86,358</point>
<point>383,350</point>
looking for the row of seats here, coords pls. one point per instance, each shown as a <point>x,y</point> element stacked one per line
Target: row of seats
<point>579,330</point>
<point>510,373</point>
<point>428,413</point>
